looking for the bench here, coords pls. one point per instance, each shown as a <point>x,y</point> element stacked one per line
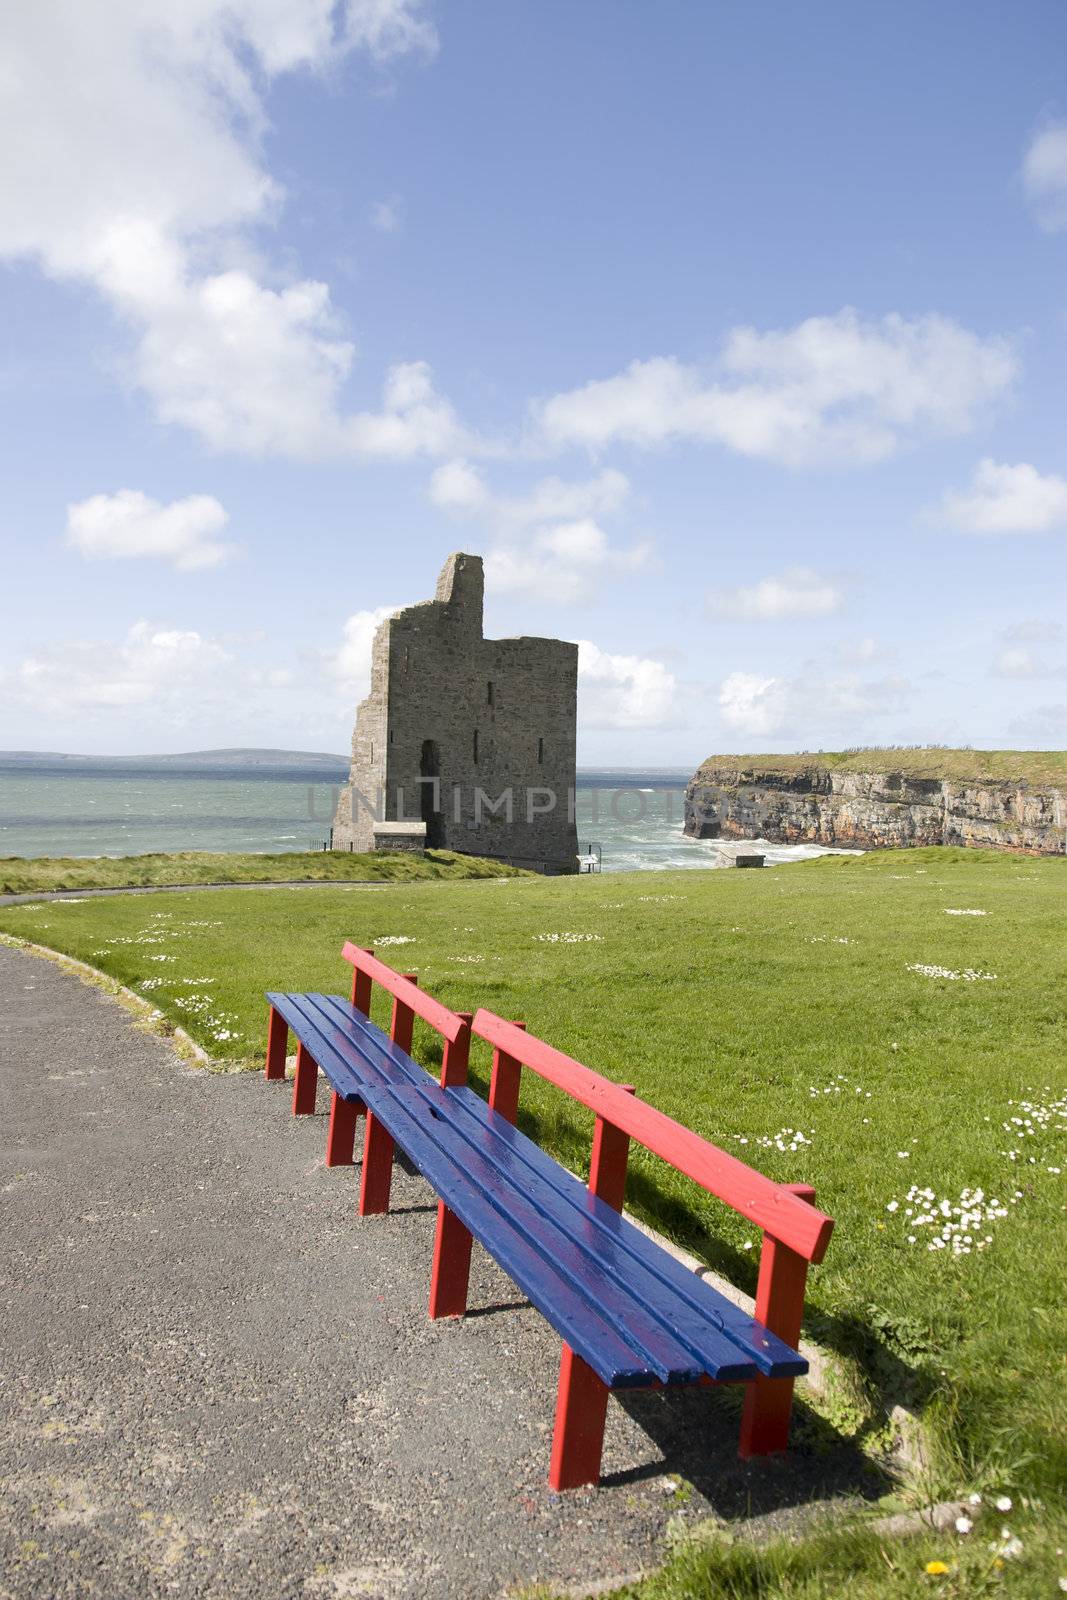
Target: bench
<point>629,1314</point>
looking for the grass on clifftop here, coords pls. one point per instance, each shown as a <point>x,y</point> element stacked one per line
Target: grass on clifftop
<point>37,874</point>
<point>891,1028</point>
<point>994,766</point>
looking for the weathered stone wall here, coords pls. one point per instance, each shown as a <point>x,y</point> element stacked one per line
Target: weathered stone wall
<point>483,716</point>
<point>867,810</point>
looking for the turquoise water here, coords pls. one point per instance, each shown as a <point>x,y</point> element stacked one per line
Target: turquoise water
<point>636,818</point>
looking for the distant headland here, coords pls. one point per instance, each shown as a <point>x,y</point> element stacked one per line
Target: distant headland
<point>238,759</point>
<point>877,798</point>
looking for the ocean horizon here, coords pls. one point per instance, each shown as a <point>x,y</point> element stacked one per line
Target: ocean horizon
<point>55,805</point>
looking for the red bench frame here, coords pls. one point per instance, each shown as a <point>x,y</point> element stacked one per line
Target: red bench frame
<point>409,1002</point>
<point>794,1232</point>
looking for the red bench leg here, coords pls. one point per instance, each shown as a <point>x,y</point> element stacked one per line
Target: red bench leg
<point>377,1176</point>
<point>277,1040</point>
<point>305,1083</point>
<point>341,1139</point>
<point>581,1412</point>
<point>451,1265</point>
<point>780,1307</point>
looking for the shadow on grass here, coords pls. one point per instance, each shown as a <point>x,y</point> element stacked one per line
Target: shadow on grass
<point>696,1431</point>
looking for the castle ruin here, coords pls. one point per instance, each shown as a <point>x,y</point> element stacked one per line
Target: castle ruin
<point>464,743</point>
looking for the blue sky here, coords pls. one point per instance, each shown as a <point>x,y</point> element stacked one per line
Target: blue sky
<point>734,337</point>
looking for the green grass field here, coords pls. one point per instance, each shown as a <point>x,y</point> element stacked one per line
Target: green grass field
<point>914,761</point>
<point>852,1022</point>
<point>39,874</point>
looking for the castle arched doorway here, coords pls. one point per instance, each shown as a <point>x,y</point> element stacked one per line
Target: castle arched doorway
<point>430,767</point>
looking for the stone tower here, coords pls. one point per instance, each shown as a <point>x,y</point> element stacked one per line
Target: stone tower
<point>474,737</point>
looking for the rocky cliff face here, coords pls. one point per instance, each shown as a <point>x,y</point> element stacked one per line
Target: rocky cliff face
<point>872,810</point>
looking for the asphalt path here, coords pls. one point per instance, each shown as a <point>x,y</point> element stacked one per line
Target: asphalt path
<point>215,1381</point>
<point>184,888</point>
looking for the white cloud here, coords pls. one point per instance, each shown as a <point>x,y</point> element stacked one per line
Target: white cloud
<point>172,670</point>
<point>386,216</point>
<point>565,564</point>
<point>549,543</point>
<point>618,691</point>
<point>1006,499</point>
<point>1016,661</point>
<point>351,662</point>
<point>858,652</point>
<point>130,158</point>
<point>1045,177</point>
<point>761,705</point>
<point>798,592</point>
<point>459,487</point>
<point>129,524</point>
<point>834,388</point>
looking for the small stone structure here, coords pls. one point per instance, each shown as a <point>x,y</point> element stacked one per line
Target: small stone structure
<point>471,739</point>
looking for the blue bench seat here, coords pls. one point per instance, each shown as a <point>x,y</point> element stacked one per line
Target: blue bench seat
<point>633,1313</point>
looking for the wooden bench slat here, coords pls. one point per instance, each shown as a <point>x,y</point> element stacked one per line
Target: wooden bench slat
<point>408,1085</point>
<point>679,1347</point>
<point>623,1250</point>
<point>692,1311</point>
<point>565,1230</point>
<point>616,1361</point>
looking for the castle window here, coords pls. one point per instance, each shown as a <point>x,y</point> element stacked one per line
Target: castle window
<point>476,744</point>
<point>489,693</point>
<point>540,751</point>
<point>372,749</point>
<point>392,735</point>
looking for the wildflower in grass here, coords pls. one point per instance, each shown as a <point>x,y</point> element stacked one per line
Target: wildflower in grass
<point>567,938</point>
<point>1003,1503</point>
<point>394,938</point>
<point>784,1139</point>
<point>964,1524</point>
<point>962,911</point>
<point>968,975</point>
<point>839,1085</point>
<point>937,1569</point>
<point>956,1223</point>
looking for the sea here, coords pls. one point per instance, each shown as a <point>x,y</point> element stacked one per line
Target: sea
<point>630,820</point>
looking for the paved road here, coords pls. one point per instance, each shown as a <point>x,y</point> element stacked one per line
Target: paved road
<point>216,1382</point>
<point>185,888</point>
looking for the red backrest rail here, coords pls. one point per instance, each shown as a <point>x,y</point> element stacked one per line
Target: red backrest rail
<point>768,1205</point>
<point>367,966</point>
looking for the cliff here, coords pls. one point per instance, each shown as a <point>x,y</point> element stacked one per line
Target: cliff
<point>876,799</point>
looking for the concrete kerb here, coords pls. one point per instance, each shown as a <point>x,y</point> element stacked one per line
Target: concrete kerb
<point>937,1518</point>
<point>128,998</point>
